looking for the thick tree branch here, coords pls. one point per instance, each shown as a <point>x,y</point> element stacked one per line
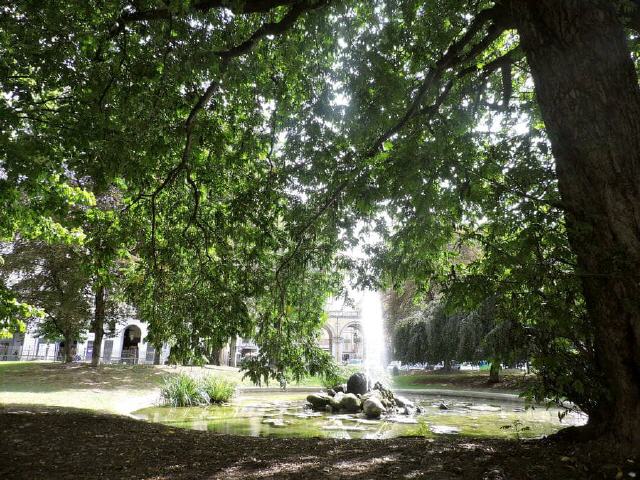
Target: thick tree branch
<point>248,6</point>
<point>503,63</point>
<point>453,57</point>
<point>269,28</point>
<point>273,28</point>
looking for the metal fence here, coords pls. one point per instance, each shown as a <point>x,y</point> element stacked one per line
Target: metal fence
<point>57,355</point>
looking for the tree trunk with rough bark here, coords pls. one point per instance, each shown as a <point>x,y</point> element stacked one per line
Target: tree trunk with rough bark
<point>588,93</point>
<point>68,345</point>
<point>98,325</point>
<point>494,372</point>
<point>446,366</point>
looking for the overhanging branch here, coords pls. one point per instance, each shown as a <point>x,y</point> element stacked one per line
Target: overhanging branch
<point>453,57</point>
<point>269,28</point>
<point>203,6</point>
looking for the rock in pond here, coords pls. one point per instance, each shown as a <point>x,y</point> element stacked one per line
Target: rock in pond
<point>319,401</point>
<point>484,408</point>
<point>404,402</point>
<point>350,403</point>
<point>358,384</point>
<point>373,407</point>
<point>444,429</point>
<point>335,401</point>
<point>275,422</point>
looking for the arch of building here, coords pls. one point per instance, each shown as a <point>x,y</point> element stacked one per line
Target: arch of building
<point>131,340</point>
<point>349,348</point>
<point>327,340</point>
<point>127,343</point>
<point>356,324</point>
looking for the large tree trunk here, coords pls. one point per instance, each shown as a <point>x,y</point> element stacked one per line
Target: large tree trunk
<point>446,366</point>
<point>214,356</point>
<point>98,326</point>
<point>494,372</point>
<point>68,345</point>
<point>589,97</point>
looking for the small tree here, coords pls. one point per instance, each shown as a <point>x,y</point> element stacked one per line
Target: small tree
<point>50,277</point>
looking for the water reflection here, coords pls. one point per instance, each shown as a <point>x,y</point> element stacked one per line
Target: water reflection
<point>285,415</point>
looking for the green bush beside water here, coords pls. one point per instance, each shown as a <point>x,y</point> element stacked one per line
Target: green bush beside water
<point>183,390</point>
<point>340,375</point>
<point>218,389</point>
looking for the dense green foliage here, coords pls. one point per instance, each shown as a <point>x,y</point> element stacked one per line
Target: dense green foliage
<point>50,277</point>
<point>245,145</point>
<point>434,334</point>
<point>182,390</point>
<point>204,201</point>
<point>219,390</point>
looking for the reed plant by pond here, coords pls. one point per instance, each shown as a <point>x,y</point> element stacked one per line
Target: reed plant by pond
<point>184,390</point>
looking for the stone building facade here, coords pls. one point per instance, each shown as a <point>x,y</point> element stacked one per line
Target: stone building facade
<point>124,344</point>
<point>343,334</point>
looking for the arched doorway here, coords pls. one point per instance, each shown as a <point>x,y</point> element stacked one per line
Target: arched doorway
<point>325,341</point>
<point>130,342</point>
<point>352,344</point>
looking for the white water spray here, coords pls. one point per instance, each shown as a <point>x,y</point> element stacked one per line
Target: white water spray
<point>373,332</point>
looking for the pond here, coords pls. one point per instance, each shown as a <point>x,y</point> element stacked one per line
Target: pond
<point>282,414</point>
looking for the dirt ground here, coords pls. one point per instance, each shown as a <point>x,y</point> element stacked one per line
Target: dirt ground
<point>54,443</point>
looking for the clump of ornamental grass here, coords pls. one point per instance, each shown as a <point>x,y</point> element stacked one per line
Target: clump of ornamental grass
<point>183,390</point>
<point>219,390</point>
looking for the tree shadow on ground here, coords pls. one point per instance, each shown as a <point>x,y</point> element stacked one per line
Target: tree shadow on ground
<point>65,443</point>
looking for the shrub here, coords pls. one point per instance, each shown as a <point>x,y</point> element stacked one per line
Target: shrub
<point>218,389</point>
<point>183,390</point>
<point>339,375</point>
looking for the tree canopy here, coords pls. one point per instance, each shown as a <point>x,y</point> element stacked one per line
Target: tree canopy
<point>250,141</point>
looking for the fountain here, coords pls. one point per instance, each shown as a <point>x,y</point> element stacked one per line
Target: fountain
<point>365,408</point>
<point>374,358</point>
<point>365,391</point>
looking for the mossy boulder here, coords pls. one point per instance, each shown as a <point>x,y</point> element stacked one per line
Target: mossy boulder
<point>335,401</point>
<point>350,403</point>
<point>373,407</point>
<point>358,384</point>
<point>319,401</point>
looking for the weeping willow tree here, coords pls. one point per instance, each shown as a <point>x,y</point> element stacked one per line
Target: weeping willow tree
<point>435,334</point>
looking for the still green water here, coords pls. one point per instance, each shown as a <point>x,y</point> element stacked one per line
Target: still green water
<point>284,415</point>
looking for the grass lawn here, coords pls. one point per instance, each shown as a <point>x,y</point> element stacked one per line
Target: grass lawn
<point>114,388</point>
<point>511,381</point>
<point>124,388</point>
<point>109,388</point>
